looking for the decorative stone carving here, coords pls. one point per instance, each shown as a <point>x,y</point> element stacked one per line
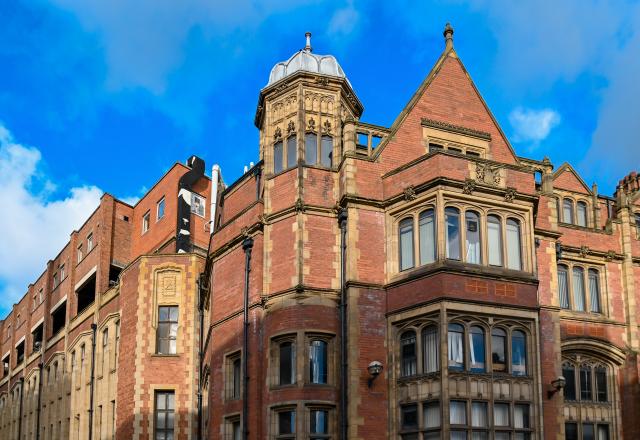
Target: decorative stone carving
<point>326,126</point>
<point>168,284</point>
<point>282,87</point>
<point>488,174</point>
<point>278,134</point>
<point>244,232</point>
<point>610,255</point>
<point>312,124</point>
<point>510,194</point>
<point>323,81</point>
<point>352,99</point>
<point>469,186</point>
<point>456,128</point>
<point>299,206</point>
<point>584,251</point>
<point>262,219</point>
<point>291,127</point>
<point>409,193</point>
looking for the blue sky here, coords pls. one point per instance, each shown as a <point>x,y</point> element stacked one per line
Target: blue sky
<point>102,96</point>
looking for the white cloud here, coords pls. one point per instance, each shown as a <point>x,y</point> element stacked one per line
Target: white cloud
<point>344,20</point>
<point>531,125</point>
<point>34,228</point>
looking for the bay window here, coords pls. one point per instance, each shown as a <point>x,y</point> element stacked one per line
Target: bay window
<point>318,361</point>
<point>452,239</point>
<point>494,236</point>
<point>408,364</point>
<point>456,346</point>
<point>594,291</point>
<point>519,353</point>
<point>326,150</point>
<point>427,228</point>
<point>472,220</point>
<point>318,424</point>
<point>287,363</point>
<point>477,349</point>
<point>406,244</point>
<point>514,257</point>
<point>430,344</point>
<point>292,151</point>
<point>499,350</point>
<point>311,148</point>
<point>563,287</point>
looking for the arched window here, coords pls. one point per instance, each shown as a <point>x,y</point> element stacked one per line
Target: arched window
<point>427,228</point>
<point>278,158</point>
<point>499,350</point>
<point>430,349</point>
<point>292,151</point>
<point>409,359</point>
<point>405,232</point>
<point>326,150</point>
<point>600,373</point>
<point>311,148</point>
<point>582,214</point>
<point>594,291</point>
<point>577,286</point>
<point>472,220</point>
<point>567,211</point>
<point>519,353</point>
<point>514,257</point>
<point>563,287</point>
<point>456,346</point>
<point>586,388</point>
<point>569,374</point>
<point>318,361</point>
<point>477,349</point>
<point>287,363</point>
<point>452,219</point>
<point>494,235</point>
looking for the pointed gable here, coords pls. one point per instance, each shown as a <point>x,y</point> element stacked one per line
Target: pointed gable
<point>448,95</point>
<point>568,179</point>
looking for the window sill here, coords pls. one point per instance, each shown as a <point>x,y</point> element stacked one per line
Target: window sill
<point>283,387</point>
<point>163,355</point>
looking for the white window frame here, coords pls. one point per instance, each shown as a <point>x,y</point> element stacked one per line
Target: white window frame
<point>203,204</point>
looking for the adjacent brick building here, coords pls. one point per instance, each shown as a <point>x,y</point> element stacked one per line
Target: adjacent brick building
<point>418,281</point>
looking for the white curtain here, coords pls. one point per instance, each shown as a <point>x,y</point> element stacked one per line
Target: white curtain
<point>430,349</point>
<point>406,244</point>
<point>456,349</point>
<point>578,289</point>
<point>427,227</point>
<point>603,432</point>
<point>457,412</point>
<point>479,414</point>
<point>514,258</point>
<point>521,416</point>
<point>473,237</point>
<point>458,435</point>
<point>452,218</point>
<point>582,214</point>
<point>594,293</point>
<point>494,241</point>
<point>501,414</point>
<point>431,415</point>
<point>563,290</point>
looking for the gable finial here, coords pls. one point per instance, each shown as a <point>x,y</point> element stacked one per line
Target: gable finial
<point>448,36</point>
<point>308,46</point>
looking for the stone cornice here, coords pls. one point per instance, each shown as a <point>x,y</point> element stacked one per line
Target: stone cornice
<point>458,129</point>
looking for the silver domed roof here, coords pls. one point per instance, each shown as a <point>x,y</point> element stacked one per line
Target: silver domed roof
<point>305,60</point>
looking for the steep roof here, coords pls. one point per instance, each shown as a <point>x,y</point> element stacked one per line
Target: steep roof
<point>448,95</point>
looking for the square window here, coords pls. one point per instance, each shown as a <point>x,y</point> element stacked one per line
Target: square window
<point>198,204</point>
<point>431,414</point>
<point>501,414</point>
<point>479,415</point>
<point>521,416</point>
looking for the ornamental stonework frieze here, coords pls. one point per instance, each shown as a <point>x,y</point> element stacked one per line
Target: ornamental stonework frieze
<point>278,134</point>
<point>326,127</point>
<point>291,128</point>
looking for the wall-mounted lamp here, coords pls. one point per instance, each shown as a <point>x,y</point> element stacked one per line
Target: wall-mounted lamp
<point>556,385</point>
<point>374,369</point>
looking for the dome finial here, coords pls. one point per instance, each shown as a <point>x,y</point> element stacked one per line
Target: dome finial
<point>448,36</point>
<point>308,46</point>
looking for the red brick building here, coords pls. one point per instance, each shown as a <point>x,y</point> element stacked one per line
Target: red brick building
<point>418,281</point>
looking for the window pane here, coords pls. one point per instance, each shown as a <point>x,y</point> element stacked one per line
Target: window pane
<point>567,211</point>
<point>563,287</point>
<point>286,422</point>
<point>594,291</point>
<point>318,361</point>
<point>514,257</point>
<point>494,243</point>
<point>430,360</point>
<point>601,384</point>
<point>452,219</point>
<point>427,228</point>
<point>571,431</point>
<point>408,355</point>
<point>431,414</point>
<point>319,422</point>
<point>521,416</point>
<point>237,433</point>
<point>582,214</point>
<point>455,346</point>
<point>479,435</point>
<point>578,289</point>
<point>603,432</point>
<point>278,159</point>
<point>501,414</point>
<point>499,350</point>
<point>286,363</point>
<point>585,383</point>
<point>569,374</point>
<point>519,350</point>
<point>326,155</point>
<point>311,148</point>
<point>458,435</point>
<point>457,412</point>
<point>587,431</point>
<point>472,220</point>
<point>409,415</point>
<point>236,378</point>
<point>502,436</point>
<point>477,350</point>
<point>479,414</point>
<point>292,152</point>
<point>406,244</point>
